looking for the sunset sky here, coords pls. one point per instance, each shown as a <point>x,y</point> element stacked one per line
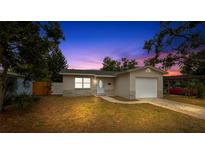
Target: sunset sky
<point>87,43</point>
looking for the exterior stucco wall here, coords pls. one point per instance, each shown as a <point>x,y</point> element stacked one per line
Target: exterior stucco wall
<point>56,88</point>
<point>70,90</point>
<point>122,85</point>
<point>144,74</point>
<point>108,88</point>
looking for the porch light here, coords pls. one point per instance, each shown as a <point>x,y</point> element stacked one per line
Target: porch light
<point>94,81</point>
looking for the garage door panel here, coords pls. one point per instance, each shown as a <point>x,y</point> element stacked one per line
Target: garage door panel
<point>146,88</point>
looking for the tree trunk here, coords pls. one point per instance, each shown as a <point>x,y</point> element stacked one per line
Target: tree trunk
<point>3,75</point>
<point>1,97</point>
<point>168,87</point>
<point>3,78</point>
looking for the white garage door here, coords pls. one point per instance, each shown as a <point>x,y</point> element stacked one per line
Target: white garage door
<point>146,88</point>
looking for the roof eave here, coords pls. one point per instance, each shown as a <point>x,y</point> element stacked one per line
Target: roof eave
<point>87,74</point>
<point>106,76</point>
<point>141,68</point>
<point>76,74</point>
<point>156,69</point>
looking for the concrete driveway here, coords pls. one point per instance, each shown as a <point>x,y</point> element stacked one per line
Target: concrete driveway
<point>192,110</point>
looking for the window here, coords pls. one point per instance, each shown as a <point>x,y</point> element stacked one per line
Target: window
<point>82,82</point>
<point>100,84</point>
<point>78,82</point>
<point>86,82</point>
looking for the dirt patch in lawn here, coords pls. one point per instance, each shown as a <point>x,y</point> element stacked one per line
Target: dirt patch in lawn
<point>186,99</point>
<point>92,114</point>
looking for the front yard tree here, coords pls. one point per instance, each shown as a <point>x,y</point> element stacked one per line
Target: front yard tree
<point>56,63</point>
<point>180,39</point>
<point>25,48</point>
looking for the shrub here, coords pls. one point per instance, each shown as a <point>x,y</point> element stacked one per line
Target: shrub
<point>21,101</point>
<point>200,90</point>
<point>24,100</point>
<point>195,87</point>
<point>8,100</point>
<point>190,88</point>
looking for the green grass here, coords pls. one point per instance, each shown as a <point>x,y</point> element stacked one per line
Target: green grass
<point>186,99</point>
<point>92,114</point>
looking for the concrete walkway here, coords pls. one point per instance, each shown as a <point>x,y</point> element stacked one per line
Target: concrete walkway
<point>192,110</point>
<point>113,100</point>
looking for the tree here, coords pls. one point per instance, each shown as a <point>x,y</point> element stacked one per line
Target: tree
<point>25,48</point>
<point>168,61</point>
<point>113,65</point>
<point>127,64</point>
<point>151,62</point>
<point>110,65</point>
<point>194,64</point>
<point>180,38</point>
<point>56,63</point>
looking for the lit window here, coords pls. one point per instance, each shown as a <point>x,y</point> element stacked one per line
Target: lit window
<point>78,82</point>
<point>86,82</point>
<point>82,82</point>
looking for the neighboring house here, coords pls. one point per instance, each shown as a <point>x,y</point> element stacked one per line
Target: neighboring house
<point>17,85</point>
<point>142,82</point>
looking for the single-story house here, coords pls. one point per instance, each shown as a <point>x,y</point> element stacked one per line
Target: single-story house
<point>141,82</point>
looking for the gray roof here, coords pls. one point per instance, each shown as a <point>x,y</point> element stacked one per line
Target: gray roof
<point>9,73</point>
<point>88,72</point>
<point>141,68</point>
<point>105,73</point>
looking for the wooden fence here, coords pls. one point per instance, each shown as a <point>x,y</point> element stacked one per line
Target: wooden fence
<point>41,88</point>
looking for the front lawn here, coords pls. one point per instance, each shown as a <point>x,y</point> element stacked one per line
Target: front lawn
<point>92,114</point>
<point>186,99</point>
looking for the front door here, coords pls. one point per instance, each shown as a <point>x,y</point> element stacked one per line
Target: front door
<point>100,87</point>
